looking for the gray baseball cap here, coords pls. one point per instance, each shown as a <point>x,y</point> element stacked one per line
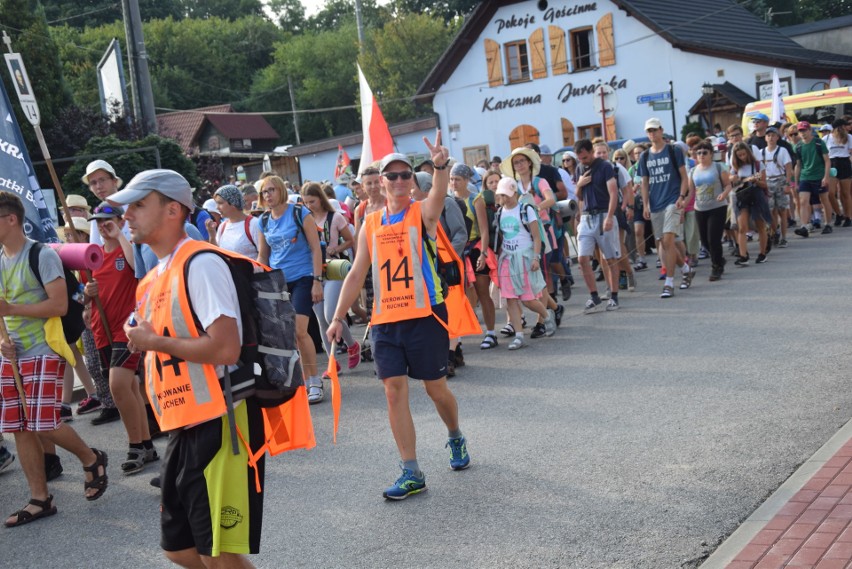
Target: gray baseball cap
<point>167,182</point>
<point>395,157</point>
<point>423,181</point>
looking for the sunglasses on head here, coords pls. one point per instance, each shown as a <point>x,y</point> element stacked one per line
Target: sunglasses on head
<point>393,176</point>
<point>108,209</point>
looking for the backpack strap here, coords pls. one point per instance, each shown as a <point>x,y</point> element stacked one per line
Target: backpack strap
<point>297,217</point>
<point>247,226</point>
<point>34,253</point>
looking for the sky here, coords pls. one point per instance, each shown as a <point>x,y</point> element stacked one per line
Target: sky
<point>313,6</point>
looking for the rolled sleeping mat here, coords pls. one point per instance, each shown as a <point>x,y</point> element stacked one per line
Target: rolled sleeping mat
<point>567,209</point>
<point>337,269</point>
<point>79,256</point>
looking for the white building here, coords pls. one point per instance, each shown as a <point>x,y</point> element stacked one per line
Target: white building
<point>529,71</point>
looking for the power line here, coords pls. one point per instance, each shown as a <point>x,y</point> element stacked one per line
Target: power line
<point>95,11</point>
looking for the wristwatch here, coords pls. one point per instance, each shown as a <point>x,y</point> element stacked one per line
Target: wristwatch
<point>319,279</point>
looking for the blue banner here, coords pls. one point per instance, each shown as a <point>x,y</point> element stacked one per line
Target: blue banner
<point>17,176</point>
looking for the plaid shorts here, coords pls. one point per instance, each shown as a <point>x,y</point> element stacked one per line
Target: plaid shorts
<point>42,379</point>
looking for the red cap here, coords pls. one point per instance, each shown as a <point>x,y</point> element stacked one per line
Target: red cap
<point>803,125</point>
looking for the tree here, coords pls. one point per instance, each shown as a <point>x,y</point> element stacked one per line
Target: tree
<point>290,15</point>
<point>227,9</point>
<point>790,12</point>
<point>41,59</point>
<point>338,13</point>
<point>93,13</point>
<point>400,55</point>
<point>448,10</point>
<point>322,68</point>
<point>130,164</point>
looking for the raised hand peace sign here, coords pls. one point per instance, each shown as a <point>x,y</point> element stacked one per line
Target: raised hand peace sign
<point>439,154</point>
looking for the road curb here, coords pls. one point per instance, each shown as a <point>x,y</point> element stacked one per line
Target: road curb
<point>735,543</point>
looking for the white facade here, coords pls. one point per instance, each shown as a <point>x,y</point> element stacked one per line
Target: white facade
<point>644,63</point>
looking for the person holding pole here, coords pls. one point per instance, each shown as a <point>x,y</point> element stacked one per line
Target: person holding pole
<point>31,371</point>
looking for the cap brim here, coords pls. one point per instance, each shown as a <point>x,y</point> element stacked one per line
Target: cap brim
<point>128,196</point>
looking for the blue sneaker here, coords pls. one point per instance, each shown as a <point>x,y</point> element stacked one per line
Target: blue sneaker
<point>405,486</point>
<point>459,460</point>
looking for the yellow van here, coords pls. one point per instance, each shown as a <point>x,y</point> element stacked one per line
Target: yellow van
<point>816,107</point>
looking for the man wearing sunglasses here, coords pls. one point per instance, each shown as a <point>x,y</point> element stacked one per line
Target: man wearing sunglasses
<point>410,319</point>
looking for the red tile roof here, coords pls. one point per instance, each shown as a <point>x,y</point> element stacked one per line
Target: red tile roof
<point>185,126</point>
<point>237,125</point>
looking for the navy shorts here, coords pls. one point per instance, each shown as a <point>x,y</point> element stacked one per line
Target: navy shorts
<point>415,348</point>
<point>812,186</point>
<point>300,295</point>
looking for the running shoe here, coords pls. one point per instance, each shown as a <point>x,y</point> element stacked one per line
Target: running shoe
<point>89,405</point>
<point>538,330</point>
<point>761,259</point>
<point>640,265</point>
<point>565,285</point>
<point>715,273</point>
<point>612,305</point>
<point>327,376</point>
<point>817,223</point>
<point>782,244</point>
<point>826,230</point>
<point>107,415</point>
<point>838,221</point>
<point>631,282</point>
<point>801,231</point>
<point>517,343</point>
<point>622,280</point>
<point>847,222</point>
<point>702,253</point>
<point>742,261</point>
<point>6,458</point>
<point>459,459</point>
<point>557,314</point>
<point>406,485</point>
<point>550,323</point>
<point>659,263</point>
<point>592,306</point>
<point>354,355</point>
<point>65,414</point>
<point>459,356</point>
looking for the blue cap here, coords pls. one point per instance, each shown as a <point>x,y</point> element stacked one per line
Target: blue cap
<point>760,117</point>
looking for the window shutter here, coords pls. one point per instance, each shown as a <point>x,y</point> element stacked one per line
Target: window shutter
<point>606,43</point>
<point>538,62</point>
<point>567,133</point>
<point>558,50</point>
<point>609,125</point>
<point>523,134</point>
<point>493,62</point>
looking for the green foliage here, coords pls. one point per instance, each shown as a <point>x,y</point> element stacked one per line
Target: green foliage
<point>322,68</point>
<point>93,13</point>
<point>447,10</point>
<point>41,59</point>
<point>690,128</point>
<point>290,15</point>
<point>128,165</point>
<point>400,55</point>
<point>228,9</point>
<point>335,14</point>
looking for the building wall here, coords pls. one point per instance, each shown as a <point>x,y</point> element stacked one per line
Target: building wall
<point>832,41</point>
<point>476,114</point>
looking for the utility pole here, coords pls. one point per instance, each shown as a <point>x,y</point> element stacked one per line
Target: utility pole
<point>140,78</point>
<point>295,114</point>
<point>360,25</point>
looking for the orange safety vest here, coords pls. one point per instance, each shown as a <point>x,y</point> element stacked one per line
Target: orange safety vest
<point>400,291</point>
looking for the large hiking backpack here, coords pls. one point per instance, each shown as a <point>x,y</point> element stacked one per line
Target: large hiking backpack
<point>72,320</point>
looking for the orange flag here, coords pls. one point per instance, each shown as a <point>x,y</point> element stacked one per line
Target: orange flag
<point>335,388</point>
<point>461,319</point>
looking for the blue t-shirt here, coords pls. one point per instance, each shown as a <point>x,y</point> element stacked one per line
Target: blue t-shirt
<point>288,246</point>
<point>201,223</point>
<point>663,176</point>
<point>341,192</point>
<point>430,274</point>
<point>596,194</point>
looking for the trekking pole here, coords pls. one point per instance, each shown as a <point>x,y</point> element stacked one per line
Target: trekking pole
<point>19,383</point>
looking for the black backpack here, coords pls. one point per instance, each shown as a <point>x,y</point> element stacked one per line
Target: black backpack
<point>268,369</point>
<point>297,217</point>
<point>72,320</point>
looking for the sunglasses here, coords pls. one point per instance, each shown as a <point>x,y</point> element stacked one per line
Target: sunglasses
<point>620,158</point>
<point>108,209</point>
<point>651,129</point>
<point>794,134</point>
<point>394,176</point>
<point>701,152</point>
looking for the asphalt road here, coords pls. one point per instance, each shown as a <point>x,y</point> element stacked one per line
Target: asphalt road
<point>633,439</point>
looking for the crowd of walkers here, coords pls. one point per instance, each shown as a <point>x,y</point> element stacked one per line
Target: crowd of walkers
<point>417,239</point>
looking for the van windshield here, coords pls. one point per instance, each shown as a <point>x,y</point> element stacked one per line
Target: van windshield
<point>823,115</point>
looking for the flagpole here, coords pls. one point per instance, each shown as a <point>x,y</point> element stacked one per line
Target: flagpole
<point>19,383</point>
<point>34,118</point>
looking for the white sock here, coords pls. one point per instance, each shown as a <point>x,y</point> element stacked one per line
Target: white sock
<point>669,281</point>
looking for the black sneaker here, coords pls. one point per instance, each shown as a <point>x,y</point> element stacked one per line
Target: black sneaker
<point>566,289</point>
<point>801,231</point>
<point>52,466</point>
<point>838,220</point>
<point>826,230</point>
<point>557,314</point>
<point>741,261</point>
<point>107,415</point>
<point>155,482</point>
<point>715,273</point>
<point>65,414</point>
<point>89,405</point>
<point>538,330</point>
<point>459,356</point>
<point>847,222</point>
<point>761,259</point>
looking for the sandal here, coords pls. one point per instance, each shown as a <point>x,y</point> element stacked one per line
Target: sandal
<point>135,461</point>
<point>99,482</point>
<point>508,330</point>
<point>488,342</point>
<point>668,292</point>
<point>686,280</point>
<point>315,393</point>
<point>24,517</point>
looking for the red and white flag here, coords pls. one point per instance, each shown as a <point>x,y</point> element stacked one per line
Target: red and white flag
<point>377,137</point>
<point>342,163</point>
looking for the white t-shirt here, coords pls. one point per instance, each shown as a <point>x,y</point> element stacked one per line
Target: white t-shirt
<point>232,236</point>
<point>730,158</point>
<point>211,291</point>
<point>569,183</point>
<point>516,237</point>
<point>748,170</point>
<point>782,159</point>
<point>837,149</point>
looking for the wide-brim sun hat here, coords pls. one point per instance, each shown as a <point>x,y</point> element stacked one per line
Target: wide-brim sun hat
<point>506,164</point>
<point>101,165</point>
